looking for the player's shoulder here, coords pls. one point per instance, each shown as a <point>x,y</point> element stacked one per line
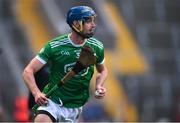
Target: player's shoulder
<point>93,39</point>
<point>95,42</point>
<point>59,40</point>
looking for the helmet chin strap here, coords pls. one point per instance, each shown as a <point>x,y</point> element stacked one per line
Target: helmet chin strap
<point>76,29</point>
<point>79,31</point>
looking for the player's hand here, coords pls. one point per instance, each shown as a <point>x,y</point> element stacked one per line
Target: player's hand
<point>41,99</point>
<point>100,92</point>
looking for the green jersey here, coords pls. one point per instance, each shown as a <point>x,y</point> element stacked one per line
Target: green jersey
<point>63,54</point>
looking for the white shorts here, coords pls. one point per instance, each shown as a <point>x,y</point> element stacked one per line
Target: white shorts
<point>59,113</point>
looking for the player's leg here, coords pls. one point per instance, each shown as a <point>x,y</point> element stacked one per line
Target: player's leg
<point>43,118</point>
<point>46,113</point>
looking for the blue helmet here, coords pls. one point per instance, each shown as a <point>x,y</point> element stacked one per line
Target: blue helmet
<point>79,13</point>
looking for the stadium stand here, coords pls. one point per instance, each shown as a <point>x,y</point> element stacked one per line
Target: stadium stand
<point>142,44</point>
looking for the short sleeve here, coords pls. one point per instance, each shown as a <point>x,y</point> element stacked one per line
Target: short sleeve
<point>100,56</point>
<point>45,53</point>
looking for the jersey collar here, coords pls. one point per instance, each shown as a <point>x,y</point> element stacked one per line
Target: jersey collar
<point>76,45</point>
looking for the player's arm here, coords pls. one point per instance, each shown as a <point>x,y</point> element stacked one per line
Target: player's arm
<point>29,79</point>
<point>100,79</point>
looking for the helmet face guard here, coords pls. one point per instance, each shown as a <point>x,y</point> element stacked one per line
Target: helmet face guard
<point>81,14</point>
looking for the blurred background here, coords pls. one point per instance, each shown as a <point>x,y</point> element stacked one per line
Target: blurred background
<point>142,46</point>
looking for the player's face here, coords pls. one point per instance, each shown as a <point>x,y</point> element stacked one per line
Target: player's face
<point>89,26</point>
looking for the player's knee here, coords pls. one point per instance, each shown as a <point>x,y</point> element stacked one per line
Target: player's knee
<point>42,118</point>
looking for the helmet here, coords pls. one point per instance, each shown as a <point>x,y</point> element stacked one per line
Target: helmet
<point>79,13</point>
